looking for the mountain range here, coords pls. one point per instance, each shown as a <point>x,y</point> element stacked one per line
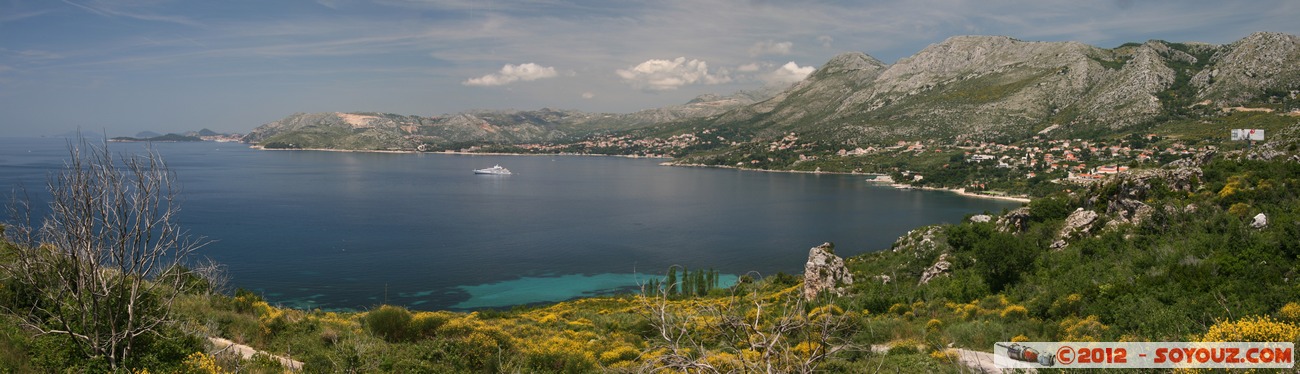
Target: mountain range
<point>979,88</point>
<point>375,131</point>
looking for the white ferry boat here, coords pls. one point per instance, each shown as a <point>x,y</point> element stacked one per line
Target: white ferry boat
<point>495,170</point>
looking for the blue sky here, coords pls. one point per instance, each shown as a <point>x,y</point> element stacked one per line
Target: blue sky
<point>230,65</point>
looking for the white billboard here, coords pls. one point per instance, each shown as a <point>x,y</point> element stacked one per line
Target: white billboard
<point>1248,134</point>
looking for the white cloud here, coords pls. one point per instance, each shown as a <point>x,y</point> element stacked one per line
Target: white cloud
<point>332,4</point>
<point>769,47</point>
<point>660,75</point>
<point>122,10</point>
<point>789,73</point>
<point>588,95</point>
<point>825,40</point>
<point>511,73</point>
<point>749,68</point>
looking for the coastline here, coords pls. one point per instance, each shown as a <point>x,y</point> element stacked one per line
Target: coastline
<point>963,192</point>
<point>670,163</point>
<point>258,147</point>
<point>959,191</point>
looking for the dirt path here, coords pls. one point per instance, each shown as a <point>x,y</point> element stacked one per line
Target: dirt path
<point>247,352</point>
<point>979,362</point>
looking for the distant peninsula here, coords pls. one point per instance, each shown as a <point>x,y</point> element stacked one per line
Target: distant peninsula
<point>160,138</point>
<point>203,135</point>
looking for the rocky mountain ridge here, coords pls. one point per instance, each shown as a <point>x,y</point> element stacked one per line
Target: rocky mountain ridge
<point>995,86</point>
<point>378,131</point>
<point>980,88</point>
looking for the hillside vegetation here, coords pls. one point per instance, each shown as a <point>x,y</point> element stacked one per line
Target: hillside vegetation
<point>1202,249</point>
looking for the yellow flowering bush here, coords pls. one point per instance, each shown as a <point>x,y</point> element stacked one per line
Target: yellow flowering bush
<point>725,362</point>
<point>547,317</point>
<point>904,345</point>
<point>1231,188</point>
<point>1239,209</point>
<point>426,324</point>
<point>945,355</point>
<point>1252,329</point>
<point>477,347</point>
<point>1289,312</point>
<point>933,325</point>
<point>200,363</point>
<point>806,350</point>
<point>1019,338</point>
<point>1088,329</point>
<point>271,320</point>
<point>458,326</point>
<point>825,311</point>
<point>1068,305</point>
<point>618,354</point>
<point>965,311</point>
<point>1015,312</point>
<point>559,354</point>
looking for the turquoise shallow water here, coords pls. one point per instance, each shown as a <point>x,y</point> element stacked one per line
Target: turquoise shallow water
<point>340,230</point>
<point>529,290</point>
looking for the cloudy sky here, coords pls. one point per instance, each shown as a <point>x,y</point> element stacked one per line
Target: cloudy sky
<point>231,65</point>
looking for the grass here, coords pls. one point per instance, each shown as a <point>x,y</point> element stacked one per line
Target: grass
<point>1217,128</point>
<point>986,88</point>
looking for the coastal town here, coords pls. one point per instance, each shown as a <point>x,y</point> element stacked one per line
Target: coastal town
<point>969,165</point>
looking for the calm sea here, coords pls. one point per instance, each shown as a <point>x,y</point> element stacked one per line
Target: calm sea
<point>337,230</point>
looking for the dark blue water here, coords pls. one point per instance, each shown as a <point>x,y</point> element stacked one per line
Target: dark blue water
<point>352,230</point>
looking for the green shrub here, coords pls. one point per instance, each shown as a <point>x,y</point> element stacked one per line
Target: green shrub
<point>559,362</point>
<point>426,324</point>
<point>391,323</point>
<point>1054,207</point>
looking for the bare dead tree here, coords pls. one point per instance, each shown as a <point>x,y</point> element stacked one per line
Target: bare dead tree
<point>683,345</point>
<point>765,333</point>
<point>214,274</point>
<point>110,234</point>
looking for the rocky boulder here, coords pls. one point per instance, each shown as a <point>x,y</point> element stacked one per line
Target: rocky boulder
<point>1137,184</point>
<point>981,218</point>
<point>1129,211</point>
<point>824,272</point>
<point>921,241</point>
<point>1260,221</point>
<point>1014,221</point>
<point>1197,160</point>
<point>940,267</point>
<point>1078,223</point>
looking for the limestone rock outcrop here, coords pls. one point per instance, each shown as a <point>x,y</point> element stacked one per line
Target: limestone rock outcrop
<point>1129,211</point>
<point>1014,221</point>
<point>921,241</point>
<point>940,267</point>
<point>1078,223</point>
<point>824,272</point>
